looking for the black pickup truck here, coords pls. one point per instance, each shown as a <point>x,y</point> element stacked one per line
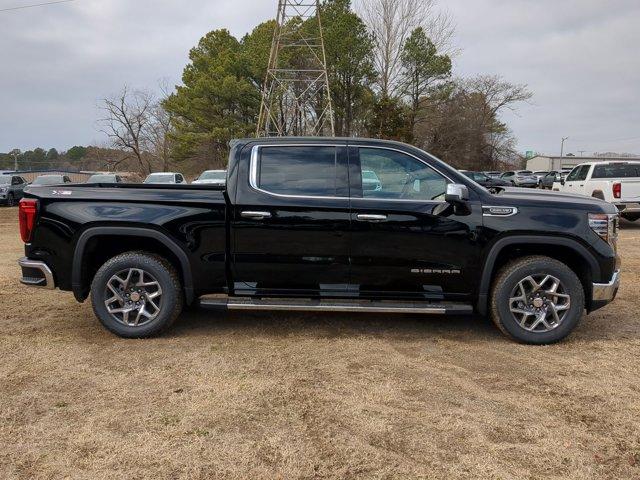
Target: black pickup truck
<point>297,228</point>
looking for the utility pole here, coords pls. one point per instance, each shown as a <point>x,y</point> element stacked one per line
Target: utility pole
<point>296,99</point>
<point>564,139</point>
<point>582,152</point>
<point>15,152</point>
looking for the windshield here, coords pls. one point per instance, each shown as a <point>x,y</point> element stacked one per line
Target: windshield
<point>525,172</point>
<point>213,176</point>
<point>369,175</point>
<point>101,179</point>
<point>160,178</point>
<point>619,170</point>
<point>4,180</point>
<point>48,180</point>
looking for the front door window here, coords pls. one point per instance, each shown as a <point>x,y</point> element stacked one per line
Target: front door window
<point>391,175</point>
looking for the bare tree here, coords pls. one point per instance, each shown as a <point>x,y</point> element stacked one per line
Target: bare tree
<point>127,119</point>
<point>391,22</point>
<point>497,93</point>
<point>157,135</point>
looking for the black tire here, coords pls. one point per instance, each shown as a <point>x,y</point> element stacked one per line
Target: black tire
<point>632,217</point>
<point>11,200</point>
<point>170,302</point>
<point>508,280</point>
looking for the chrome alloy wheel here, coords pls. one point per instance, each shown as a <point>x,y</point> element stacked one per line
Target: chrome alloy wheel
<point>539,303</point>
<point>134,297</point>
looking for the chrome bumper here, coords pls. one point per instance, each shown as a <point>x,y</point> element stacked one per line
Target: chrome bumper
<point>36,274</point>
<point>606,292</point>
<point>628,207</point>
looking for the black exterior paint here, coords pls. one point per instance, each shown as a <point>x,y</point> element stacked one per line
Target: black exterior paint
<point>312,247</point>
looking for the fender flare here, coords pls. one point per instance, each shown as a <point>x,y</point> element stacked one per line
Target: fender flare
<point>490,261</point>
<point>81,244</point>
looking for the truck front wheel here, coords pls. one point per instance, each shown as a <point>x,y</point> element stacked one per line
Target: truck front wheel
<point>137,295</point>
<point>537,300</point>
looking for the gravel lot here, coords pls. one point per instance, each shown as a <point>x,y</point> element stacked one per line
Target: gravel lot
<point>313,396</point>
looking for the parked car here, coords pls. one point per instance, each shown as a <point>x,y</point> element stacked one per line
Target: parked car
<point>521,178</point>
<point>11,189</point>
<point>165,178</point>
<point>493,174</point>
<point>104,178</point>
<point>51,180</point>
<point>485,180</point>
<point>549,179</point>
<point>370,181</point>
<point>614,182</point>
<point>212,177</point>
<point>540,175</point>
<point>295,231</point>
<point>552,178</point>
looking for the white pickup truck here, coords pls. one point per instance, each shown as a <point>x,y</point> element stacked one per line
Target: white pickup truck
<point>615,182</point>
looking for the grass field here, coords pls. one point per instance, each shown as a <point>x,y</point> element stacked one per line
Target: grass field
<point>269,396</point>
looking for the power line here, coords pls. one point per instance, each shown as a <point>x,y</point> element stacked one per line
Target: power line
<point>35,5</point>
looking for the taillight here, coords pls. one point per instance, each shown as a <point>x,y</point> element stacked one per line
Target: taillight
<point>27,215</point>
<point>617,190</point>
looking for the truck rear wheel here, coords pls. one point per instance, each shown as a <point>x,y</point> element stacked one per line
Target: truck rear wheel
<point>137,295</point>
<point>537,300</point>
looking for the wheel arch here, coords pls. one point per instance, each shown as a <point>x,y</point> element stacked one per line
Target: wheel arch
<point>566,250</point>
<point>154,242</point>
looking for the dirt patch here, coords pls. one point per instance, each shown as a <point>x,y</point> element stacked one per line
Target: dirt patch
<point>313,396</point>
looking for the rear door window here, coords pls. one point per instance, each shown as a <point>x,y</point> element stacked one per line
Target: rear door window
<point>297,171</point>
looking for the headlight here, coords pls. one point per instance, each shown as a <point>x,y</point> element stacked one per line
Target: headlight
<point>606,226</point>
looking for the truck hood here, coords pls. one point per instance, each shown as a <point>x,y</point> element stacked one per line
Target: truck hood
<point>521,197</point>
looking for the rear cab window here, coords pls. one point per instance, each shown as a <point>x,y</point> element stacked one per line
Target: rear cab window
<point>616,170</point>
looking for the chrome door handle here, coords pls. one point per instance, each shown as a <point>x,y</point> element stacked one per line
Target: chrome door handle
<point>255,215</point>
<point>364,217</point>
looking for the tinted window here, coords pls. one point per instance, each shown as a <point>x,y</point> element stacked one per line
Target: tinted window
<point>213,176</point>
<point>48,180</point>
<point>583,172</point>
<point>573,175</point>
<point>401,177</point>
<point>301,171</point>
<point>617,170</point>
<point>160,178</point>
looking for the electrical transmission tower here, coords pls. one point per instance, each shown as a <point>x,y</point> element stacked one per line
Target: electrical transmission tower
<point>296,100</point>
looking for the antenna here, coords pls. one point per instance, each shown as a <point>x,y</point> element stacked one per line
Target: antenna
<point>296,100</point>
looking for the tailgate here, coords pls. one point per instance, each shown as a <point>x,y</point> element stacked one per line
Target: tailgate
<point>631,190</point>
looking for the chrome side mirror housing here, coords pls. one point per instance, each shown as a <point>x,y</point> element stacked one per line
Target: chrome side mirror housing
<point>456,193</point>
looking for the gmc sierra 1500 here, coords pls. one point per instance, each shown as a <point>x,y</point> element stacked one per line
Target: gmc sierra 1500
<point>296,228</point>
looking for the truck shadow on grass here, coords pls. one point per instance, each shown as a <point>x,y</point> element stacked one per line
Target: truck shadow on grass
<point>333,325</point>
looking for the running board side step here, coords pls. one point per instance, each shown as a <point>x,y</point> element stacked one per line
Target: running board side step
<point>296,305</point>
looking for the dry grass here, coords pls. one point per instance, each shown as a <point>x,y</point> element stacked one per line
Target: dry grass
<point>313,396</point>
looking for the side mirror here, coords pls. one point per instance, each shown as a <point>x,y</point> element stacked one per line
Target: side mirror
<point>562,181</point>
<point>456,193</point>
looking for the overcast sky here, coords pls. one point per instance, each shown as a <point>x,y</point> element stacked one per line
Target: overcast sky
<point>580,58</point>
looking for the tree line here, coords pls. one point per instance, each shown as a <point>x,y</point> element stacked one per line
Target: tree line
<point>390,66</point>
